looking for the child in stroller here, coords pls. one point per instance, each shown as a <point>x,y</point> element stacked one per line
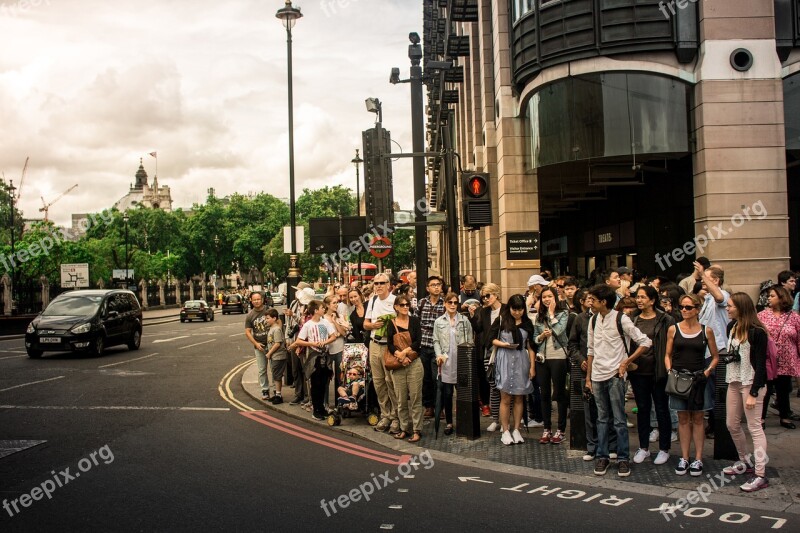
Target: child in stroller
<point>350,394</point>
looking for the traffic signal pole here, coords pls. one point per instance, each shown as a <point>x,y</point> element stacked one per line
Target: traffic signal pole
<point>418,146</point>
<point>452,208</point>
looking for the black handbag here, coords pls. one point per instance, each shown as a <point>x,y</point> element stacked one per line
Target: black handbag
<point>680,383</point>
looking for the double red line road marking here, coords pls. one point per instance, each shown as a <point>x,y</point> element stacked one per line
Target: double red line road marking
<point>343,446</point>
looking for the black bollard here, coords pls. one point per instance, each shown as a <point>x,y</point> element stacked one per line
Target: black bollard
<point>723,443</point>
<point>467,412</point>
<point>577,417</point>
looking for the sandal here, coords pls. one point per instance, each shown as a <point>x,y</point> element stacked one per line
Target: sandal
<point>448,430</point>
<point>416,437</point>
<point>401,435</point>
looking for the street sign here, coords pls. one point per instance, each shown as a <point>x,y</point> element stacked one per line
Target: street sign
<point>522,246</point>
<point>74,275</point>
<point>119,273</point>
<point>300,233</point>
<point>380,247</point>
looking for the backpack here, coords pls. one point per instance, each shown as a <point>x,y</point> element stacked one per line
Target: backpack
<point>763,294</point>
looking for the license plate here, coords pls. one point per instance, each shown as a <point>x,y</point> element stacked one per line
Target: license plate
<point>50,340</point>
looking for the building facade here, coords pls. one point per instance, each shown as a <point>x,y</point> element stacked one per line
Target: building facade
<point>637,133</point>
<point>142,194</point>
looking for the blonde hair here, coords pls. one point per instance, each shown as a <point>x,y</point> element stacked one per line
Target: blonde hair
<point>491,288</point>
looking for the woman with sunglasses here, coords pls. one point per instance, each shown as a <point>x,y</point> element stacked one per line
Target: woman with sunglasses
<point>407,380</point>
<point>316,335</point>
<point>449,330</point>
<point>747,385</point>
<point>482,320</point>
<point>686,349</point>
<point>514,364</point>
<point>357,316</point>
<point>550,341</point>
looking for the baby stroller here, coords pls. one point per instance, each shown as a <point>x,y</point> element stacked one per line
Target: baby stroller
<point>355,355</point>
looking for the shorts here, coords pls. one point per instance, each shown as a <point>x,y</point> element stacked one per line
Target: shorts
<point>680,404</point>
<point>278,368</point>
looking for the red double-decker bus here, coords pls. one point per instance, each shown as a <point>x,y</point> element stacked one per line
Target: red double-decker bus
<point>368,271</point>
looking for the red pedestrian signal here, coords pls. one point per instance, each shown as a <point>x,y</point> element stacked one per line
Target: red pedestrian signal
<point>476,201</point>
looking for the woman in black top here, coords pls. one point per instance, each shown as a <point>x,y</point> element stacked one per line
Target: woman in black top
<point>686,349</point>
<point>407,380</point>
<point>357,330</point>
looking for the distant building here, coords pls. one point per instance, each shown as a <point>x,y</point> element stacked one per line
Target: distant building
<point>142,194</point>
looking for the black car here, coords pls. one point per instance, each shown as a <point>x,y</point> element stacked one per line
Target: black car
<point>233,303</point>
<point>196,309</point>
<point>89,320</point>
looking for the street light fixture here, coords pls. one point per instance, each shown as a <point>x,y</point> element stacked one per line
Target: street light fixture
<point>125,219</point>
<point>216,266</point>
<point>288,16</point>
<point>357,162</point>
<point>12,197</point>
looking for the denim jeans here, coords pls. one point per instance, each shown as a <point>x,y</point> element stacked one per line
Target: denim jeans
<point>610,398</point>
<point>590,422</point>
<point>428,358</point>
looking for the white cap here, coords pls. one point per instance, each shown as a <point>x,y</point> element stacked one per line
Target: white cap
<point>304,296</point>
<point>536,279</point>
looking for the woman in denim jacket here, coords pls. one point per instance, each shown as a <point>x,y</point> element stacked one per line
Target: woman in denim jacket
<point>552,364</point>
<point>449,330</point>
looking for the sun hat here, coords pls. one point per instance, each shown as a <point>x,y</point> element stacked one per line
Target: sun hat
<point>536,279</point>
<point>305,295</point>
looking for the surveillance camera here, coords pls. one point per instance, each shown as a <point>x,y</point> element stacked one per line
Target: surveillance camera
<point>414,37</point>
<point>394,78</point>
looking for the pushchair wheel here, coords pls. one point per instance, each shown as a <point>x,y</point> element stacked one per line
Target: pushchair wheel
<point>373,419</point>
<point>334,420</point>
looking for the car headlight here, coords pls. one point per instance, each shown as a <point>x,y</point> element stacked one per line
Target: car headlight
<point>83,328</point>
<point>30,329</point>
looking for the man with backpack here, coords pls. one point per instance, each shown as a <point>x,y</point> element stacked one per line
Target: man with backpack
<point>610,334</point>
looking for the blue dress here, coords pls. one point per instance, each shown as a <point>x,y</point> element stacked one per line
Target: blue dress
<point>512,367</point>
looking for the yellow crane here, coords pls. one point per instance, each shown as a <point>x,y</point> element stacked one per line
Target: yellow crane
<point>46,207</point>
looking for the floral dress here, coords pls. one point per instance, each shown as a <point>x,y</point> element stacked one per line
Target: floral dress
<point>784,329</point>
<point>512,367</point>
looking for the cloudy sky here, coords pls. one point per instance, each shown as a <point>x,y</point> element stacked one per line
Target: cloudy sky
<point>87,87</point>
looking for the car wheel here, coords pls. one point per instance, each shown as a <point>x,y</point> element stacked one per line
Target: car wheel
<point>212,317</point>
<point>205,318</point>
<point>98,347</point>
<point>183,320</point>
<point>34,354</point>
<point>136,340</point>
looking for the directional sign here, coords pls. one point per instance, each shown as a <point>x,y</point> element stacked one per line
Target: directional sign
<point>523,246</point>
<point>380,247</point>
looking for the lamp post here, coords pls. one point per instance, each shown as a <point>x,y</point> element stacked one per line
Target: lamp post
<point>125,219</point>
<point>216,265</point>
<point>418,146</point>
<point>202,264</point>
<point>288,16</point>
<point>12,197</point>
<point>357,162</point>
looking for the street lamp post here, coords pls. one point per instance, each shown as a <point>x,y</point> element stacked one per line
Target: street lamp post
<point>216,264</point>
<point>125,218</point>
<point>288,16</point>
<point>418,144</point>
<point>357,162</point>
<point>12,197</point>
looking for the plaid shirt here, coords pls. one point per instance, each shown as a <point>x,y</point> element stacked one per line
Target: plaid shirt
<point>428,313</point>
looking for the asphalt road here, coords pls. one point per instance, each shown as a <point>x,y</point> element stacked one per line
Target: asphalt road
<point>164,438</point>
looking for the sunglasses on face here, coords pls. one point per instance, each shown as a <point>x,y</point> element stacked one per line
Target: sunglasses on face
<point>559,286</point>
<point>379,282</point>
<point>686,307</point>
<point>485,296</point>
<point>402,305</point>
<point>452,302</point>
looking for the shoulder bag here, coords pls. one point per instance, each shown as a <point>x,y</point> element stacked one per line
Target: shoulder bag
<point>680,383</point>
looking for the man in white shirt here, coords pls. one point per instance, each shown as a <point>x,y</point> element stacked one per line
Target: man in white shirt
<point>382,303</point>
<point>607,367</point>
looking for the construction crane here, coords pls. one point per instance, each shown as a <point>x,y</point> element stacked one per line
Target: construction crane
<point>46,207</point>
<point>22,179</point>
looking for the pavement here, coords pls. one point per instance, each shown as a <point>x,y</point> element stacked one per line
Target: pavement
<point>560,463</point>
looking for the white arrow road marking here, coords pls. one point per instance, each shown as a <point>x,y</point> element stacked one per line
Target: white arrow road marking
<point>479,480</point>
<point>172,339</point>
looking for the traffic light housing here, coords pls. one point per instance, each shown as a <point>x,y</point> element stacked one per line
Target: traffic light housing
<point>476,200</point>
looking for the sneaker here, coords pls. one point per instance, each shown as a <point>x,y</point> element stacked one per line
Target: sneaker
<point>739,467</point>
<point>535,423</point>
<point>612,455</point>
<point>661,458</point>
<point>673,436</point>
<point>557,438</point>
<point>485,411</point>
<point>517,437</point>
<point>654,436</point>
<point>683,466</point>
<point>494,426</point>
<point>277,399</point>
<point>297,401</point>
<point>629,423</point>
<point>545,437</point>
<point>588,456</point>
<point>755,483</point>
<point>601,466</point>
<point>383,425</point>
<point>265,395</point>
<point>318,416</point>
<point>624,469</point>
<point>641,455</point>
<point>506,438</point>
<point>696,468</point>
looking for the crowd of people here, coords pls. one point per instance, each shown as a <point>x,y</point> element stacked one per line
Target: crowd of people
<point>656,341</point>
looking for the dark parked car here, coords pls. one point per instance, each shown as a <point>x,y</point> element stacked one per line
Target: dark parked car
<point>196,309</point>
<point>233,303</point>
<point>88,320</point>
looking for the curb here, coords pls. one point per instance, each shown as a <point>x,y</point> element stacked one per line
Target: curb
<point>744,501</point>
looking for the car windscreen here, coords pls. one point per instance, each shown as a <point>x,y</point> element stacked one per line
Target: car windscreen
<point>74,306</point>
<point>233,300</point>
<point>192,305</point>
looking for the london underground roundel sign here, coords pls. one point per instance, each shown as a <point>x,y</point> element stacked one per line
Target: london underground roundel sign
<point>380,247</point>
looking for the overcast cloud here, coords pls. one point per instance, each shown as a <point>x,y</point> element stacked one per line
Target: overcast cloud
<point>87,87</point>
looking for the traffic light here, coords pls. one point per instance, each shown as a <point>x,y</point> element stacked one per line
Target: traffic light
<point>476,202</point>
<point>378,187</point>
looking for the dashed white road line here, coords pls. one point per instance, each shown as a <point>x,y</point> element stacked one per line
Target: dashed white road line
<point>12,357</point>
<point>128,361</point>
<point>196,344</point>
<point>32,383</point>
